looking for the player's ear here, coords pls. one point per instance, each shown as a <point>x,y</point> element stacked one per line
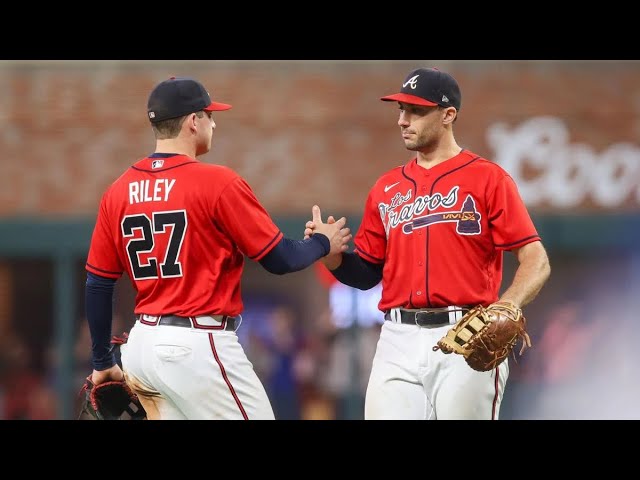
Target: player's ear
<point>449,115</point>
<point>190,121</point>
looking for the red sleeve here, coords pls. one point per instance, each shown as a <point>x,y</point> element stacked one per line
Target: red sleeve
<point>246,221</point>
<point>103,256</point>
<point>371,239</point>
<point>511,225</point>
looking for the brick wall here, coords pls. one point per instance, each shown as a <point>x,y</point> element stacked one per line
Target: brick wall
<point>300,132</point>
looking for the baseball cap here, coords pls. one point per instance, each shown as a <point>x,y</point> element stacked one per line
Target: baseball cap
<point>180,96</point>
<point>428,87</point>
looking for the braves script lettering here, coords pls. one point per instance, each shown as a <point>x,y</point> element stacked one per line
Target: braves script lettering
<point>392,217</point>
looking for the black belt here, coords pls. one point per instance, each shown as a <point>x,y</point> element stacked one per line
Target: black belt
<point>427,317</point>
<point>226,323</point>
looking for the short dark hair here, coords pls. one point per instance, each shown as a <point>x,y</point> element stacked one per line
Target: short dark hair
<point>171,127</point>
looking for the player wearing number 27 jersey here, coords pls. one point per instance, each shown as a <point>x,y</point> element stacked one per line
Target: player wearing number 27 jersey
<point>149,204</point>
<point>180,229</point>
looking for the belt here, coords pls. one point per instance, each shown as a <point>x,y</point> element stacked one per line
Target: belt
<point>427,317</point>
<point>204,322</point>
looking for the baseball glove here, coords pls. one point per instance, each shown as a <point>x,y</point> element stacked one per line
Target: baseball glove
<point>111,401</point>
<point>486,336</point>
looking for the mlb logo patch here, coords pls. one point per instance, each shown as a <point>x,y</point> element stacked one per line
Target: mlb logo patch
<point>157,163</point>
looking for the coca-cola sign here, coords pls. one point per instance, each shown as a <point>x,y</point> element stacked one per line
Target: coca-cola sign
<point>553,173</point>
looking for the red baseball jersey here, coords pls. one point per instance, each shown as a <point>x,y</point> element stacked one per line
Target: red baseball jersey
<point>441,232</point>
<point>180,228</point>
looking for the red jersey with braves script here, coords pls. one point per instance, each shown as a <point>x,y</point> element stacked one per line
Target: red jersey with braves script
<point>441,232</point>
<point>180,228</point>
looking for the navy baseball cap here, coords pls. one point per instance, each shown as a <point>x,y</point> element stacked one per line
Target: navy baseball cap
<point>428,87</point>
<point>180,96</point>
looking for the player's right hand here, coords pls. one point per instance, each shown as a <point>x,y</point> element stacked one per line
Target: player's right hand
<point>110,374</point>
<point>335,230</point>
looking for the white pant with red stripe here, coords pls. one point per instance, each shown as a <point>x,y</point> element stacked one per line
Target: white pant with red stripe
<point>187,374</point>
<point>409,381</point>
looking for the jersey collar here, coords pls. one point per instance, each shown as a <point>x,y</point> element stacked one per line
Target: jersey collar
<point>448,165</point>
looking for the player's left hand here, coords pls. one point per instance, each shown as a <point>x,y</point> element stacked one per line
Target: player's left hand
<point>339,235</point>
<point>310,226</point>
<point>486,336</point>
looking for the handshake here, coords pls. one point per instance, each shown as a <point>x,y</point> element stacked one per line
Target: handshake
<point>338,235</point>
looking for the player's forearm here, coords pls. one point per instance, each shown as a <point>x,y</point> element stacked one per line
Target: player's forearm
<point>294,255</point>
<point>531,275</point>
<point>99,310</point>
<point>357,273</point>
<point>332,261</point>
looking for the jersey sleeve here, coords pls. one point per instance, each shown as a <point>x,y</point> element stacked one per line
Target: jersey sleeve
<point>511,225</point>
<point>371,239</point>
<point>103,258</point>
<point>246,221</point>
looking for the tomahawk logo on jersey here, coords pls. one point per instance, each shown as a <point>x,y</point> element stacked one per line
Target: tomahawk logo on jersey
<point>468,219</point>
<point>151,225</point>
<point>468,207</point>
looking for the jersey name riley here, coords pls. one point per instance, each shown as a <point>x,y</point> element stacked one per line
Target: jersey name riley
<point>144,191</point>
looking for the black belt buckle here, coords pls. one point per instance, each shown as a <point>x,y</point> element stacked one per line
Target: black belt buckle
<point>429,321</point>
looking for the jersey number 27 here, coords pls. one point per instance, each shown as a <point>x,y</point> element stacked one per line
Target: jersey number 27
<point>170,266</point>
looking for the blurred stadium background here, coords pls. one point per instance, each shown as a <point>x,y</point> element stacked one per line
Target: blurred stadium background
<point>305,132</point>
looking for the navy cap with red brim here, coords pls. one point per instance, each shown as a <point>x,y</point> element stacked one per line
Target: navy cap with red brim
<point>406,98</point>
<point>217,107</point>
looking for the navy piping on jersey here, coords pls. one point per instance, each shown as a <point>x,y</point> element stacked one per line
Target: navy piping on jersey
<point>428,211</point>
<point>415,185</point>
<point>373,259</point>
<point>164,155</point>
<point>368,255</point>
<point>409,304</point>
<point>426,262</point>
<point>519,241</point>
<point>155,170</point>
<point>104,271</point>
<point>267,246</point>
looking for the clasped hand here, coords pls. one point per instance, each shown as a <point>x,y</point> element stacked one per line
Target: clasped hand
<point>335,230</point>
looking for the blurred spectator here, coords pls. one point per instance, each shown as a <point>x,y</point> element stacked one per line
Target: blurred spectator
<point>26,396</point>
<point>355,329</point>
<point>347,373</point>
<point>582,366</point>
<point>273,351</point>
<point>280,383</point>
<point>312,362</point>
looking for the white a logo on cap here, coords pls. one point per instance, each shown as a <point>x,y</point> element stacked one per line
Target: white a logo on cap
<point>413,81</point>
<point>445,99</point>
<point>152,115</point>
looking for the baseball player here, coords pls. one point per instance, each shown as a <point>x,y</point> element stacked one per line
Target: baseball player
<point>180,229</point>
<point>434,231</point>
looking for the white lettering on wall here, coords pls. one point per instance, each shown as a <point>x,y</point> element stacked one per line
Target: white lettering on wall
<point>548,169</point>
